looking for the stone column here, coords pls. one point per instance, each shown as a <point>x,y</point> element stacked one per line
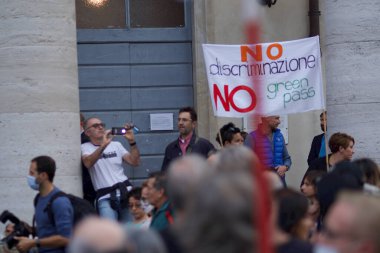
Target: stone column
<point>210,25</point>
<point>352,50</point>
<point>39,97</point>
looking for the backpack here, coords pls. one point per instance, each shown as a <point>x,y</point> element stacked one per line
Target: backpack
<point>81,207</point>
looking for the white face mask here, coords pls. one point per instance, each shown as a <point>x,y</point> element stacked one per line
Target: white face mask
<point>33,183</point>
<point>319,248</point>
<point>146,206</point>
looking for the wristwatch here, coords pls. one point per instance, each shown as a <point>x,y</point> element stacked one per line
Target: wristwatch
<point>38,243</point>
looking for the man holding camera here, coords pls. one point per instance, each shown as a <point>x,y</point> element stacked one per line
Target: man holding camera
<point>53,235</point>
<point>104,159</point>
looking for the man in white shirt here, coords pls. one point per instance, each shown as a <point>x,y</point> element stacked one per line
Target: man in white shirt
<point>104,159</point>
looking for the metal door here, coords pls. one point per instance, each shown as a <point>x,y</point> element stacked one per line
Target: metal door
<point>129,71</point>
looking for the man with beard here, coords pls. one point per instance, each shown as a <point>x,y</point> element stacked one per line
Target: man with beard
<point>318,146</point>
<point>53,232</point>
<point>269,144</point>
<point>188,141</point>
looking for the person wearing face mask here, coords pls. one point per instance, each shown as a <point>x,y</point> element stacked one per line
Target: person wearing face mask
<point>53,236</point>
<point>148,208</point>
<point>140,217</point>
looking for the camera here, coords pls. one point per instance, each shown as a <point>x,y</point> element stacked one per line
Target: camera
<point>123,130</point>
<point>20,229</point>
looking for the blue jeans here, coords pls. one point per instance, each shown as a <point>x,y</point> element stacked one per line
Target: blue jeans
<point>105,210</point>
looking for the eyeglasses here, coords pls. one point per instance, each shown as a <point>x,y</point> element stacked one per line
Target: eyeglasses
<point>183,119</point>
<point>96,125</point>
<point>137,205</point>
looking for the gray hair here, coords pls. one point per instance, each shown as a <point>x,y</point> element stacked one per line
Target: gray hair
<point>184,174</point>
<point>366,224</point>
<point>236,158</point>
<point>98,235</point>
<point>224,220</point>
<point>145,241</point>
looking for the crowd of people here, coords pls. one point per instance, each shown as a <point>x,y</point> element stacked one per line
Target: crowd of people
<point>205,200</point>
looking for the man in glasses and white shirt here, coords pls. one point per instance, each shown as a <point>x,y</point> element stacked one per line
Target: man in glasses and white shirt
<point>104,159</point>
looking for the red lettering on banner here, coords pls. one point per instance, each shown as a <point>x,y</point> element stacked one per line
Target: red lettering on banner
<point>228,98</point>
<point>217,94</point>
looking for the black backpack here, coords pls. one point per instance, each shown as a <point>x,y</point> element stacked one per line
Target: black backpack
<point>81,207</point>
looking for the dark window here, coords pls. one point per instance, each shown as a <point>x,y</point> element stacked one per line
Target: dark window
<point>157,13</point>
<point>100,14</point>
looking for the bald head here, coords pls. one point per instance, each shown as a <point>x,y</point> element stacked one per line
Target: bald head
<point>98,235</point>
<point>353,217</point>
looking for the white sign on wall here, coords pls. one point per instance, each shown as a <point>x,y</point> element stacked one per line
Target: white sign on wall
<point>161,121</point>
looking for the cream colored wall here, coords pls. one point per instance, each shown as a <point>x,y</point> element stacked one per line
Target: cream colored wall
<point>39,98</point>
<point>215,21</point>
<point>219,22</point>
<point>289,20</point>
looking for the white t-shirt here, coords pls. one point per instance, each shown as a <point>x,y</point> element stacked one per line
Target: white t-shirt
<point>145,224</point>
<point>108,170</point>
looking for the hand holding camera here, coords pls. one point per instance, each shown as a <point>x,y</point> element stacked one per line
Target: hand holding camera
<point>21,229</point>
<point>128,131</point>
<point>107,138</point>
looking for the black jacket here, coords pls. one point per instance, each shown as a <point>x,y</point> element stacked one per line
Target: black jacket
<point>197,145</point>
<point>315,148</point>
<point>87,186</point>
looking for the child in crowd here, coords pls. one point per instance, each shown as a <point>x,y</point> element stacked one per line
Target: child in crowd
<point>309,189</point>
<point>140,218</point>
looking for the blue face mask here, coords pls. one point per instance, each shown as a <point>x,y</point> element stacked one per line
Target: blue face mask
<point>33,184</point>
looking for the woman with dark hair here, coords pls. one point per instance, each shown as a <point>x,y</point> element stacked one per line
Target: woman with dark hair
<point>309,190</point>
<point>229,134</point>
<point>140,218</point>
<point>371,175</point>
<point>370,171</point>
<point>293,222</point>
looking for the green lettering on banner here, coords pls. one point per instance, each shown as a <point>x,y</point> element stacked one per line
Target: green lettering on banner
<point>293,91</point>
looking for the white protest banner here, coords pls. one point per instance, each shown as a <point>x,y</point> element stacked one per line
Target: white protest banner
<point>289,75</point>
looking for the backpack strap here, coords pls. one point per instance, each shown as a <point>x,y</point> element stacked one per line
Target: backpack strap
<point>35,201</point>
<point>48,208</point>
